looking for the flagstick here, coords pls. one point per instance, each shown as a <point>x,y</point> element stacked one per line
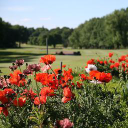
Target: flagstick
<point>61,68</point>
<point>47,49</point>
<point>47,45</point>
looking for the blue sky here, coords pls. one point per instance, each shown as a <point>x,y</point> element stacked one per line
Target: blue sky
<point>56,13</point>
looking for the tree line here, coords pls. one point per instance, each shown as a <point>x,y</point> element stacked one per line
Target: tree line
<point>53,36</point>
<point>11,34</point>
<point>107,32</point>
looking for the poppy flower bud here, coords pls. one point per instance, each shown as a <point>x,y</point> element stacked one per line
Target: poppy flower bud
<point>34,67</point>
<point>19,62</point>
<point>27,72</point>
<point>14,67</point>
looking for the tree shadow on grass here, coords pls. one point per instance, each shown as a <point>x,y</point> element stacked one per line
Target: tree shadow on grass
<point>7,57</point>
<point>52,48</point>
<point>17,48</point>
<point>20,53</point>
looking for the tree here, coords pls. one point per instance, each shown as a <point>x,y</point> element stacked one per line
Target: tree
<point>66,32</point>
<point>54,39</point>
<point>117,25</point>
<point>21,33</point>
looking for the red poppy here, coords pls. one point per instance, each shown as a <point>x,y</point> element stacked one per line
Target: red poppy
<point>16,79</point>
<point>86,66</point>
<point>98,60</point>
<point>67,75</point>
<point>63,66</point>
<point>40,100</point>
<point>45,91</point>
<point>100,76</point>
<point>101,62</point>
<point>119,60</point>
<point>3,97</point>
<point>67,92</point>
<point>117,65</point>
<point>122,58</point>
<point>19,102</point>
<point>2,94</point>
<point>123,65</point>
<point>91,61</point>
<point>65,99</point>
<point>111,61</point>
<point>48,59</point>
<point>112,66</point>
<point>126,60</point>
<point>4,110</point>
<point>1,108</point>
<point>83,77</point>
<point>57,71</point>
<point>105,62</point>
<point>104,77</point>
<point>79,84</point>
<point>6,95</point>
<point>44,78</point>
<point>29,93</point>
<point>68,95</point>
<point>93,73</point>
<point>110,54</point>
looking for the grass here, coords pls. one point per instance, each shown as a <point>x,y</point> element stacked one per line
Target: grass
<point>31,54</point>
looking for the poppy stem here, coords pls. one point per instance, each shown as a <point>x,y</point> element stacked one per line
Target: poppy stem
<point>52,70</point>
<point>37,87</point>
<point>47,45</point>
<point>19,68</point>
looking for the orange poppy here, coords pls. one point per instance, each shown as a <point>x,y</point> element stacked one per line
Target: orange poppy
<point>16,79</point>
<point>101,76</point>
<point>93,73</point>
<point>48,59</point>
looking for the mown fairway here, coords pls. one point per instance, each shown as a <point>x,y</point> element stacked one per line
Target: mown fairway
<point>32,54</point>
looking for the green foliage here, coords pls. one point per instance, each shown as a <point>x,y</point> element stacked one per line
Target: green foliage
<point>38,37</point>
<point>10,34</point>
<point>106,32</point>
<point>53,36</point>
<point>7,35</point>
